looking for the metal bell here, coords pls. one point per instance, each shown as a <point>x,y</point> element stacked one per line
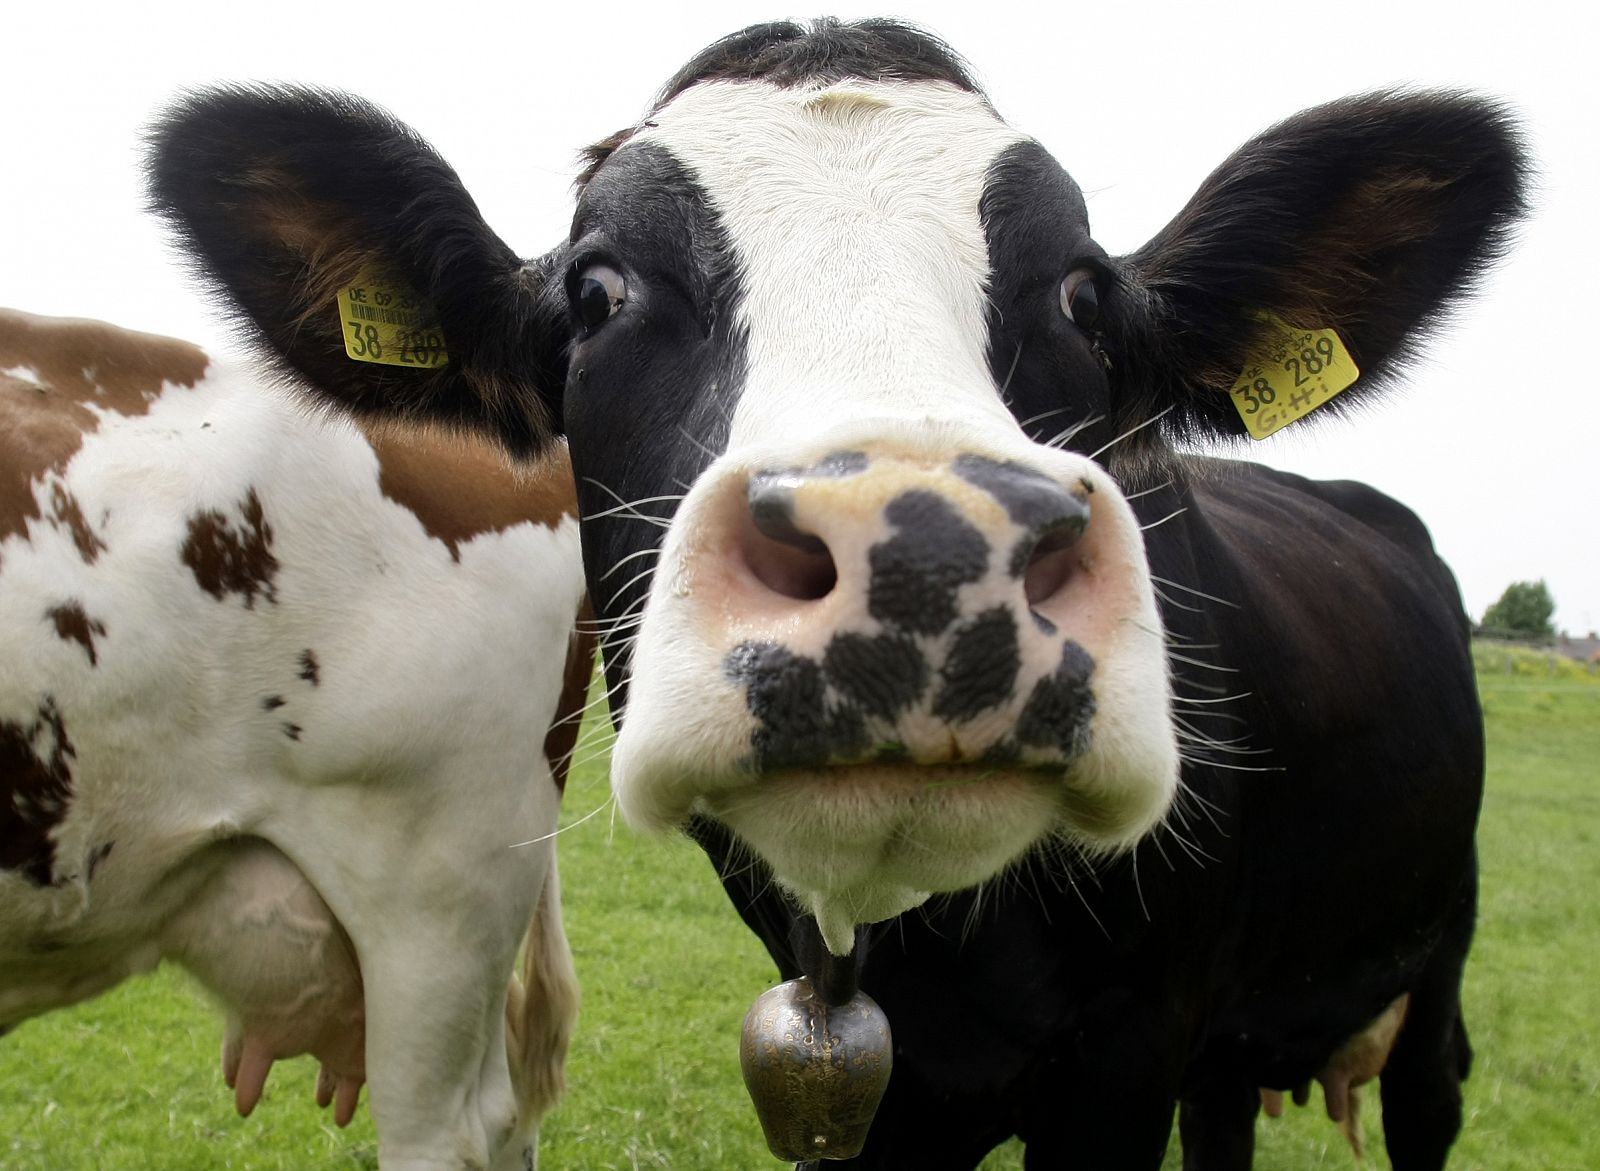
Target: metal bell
<point>815,1071</point>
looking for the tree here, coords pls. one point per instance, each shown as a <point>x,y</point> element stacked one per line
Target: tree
<point>1525,608</point>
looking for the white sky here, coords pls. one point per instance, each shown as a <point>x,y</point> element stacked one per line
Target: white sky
<point>1495,440</point>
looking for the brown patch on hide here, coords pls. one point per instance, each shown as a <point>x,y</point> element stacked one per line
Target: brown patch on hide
<point>73,624</point>
<point>228,560</point>
<point>67,513</point>
<point>65,373</point>
<point>35,791</point>
<point>461,487</point>
<point>562,737</point>
<point>310,669</point>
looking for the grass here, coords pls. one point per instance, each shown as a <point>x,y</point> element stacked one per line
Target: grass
<point>131,1081</point>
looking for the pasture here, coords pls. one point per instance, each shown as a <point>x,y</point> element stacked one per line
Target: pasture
<point>132,1081</point>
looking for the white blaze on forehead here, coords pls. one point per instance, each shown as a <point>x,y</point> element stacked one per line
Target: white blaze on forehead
<point>853,211</point>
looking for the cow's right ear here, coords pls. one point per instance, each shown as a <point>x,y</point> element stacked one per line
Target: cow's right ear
<point>303,208</point>
<point>1370,217</point>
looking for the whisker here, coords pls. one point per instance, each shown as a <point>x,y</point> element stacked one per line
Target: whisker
<point>1201,663</point>
<point>629,618</point>
<point>638,577</point>
<point>1173,602</point>
<point>630,626</point>
<point>627,507</point>
<point>596,704</point>
<point>1157,632</point>
<point>1238,768</point>
<point>1210,808</point>
<point>1011,373</point>
<point>1155,840</point>
<point>1197,593</point>
<point>1193,736</point>
<point>1221,699</point>
<point>1026,423</point>
<point>633,506</point>
<point>656,549</point>
<point>1155,418</point>
<point>1201,737</point>
<point>1062,438</point>
<point>1191,848</point>
<point>684,431</point>
<point>1138,887</point>
<point>1158,523</point>
<point>1147,491</point>
<point>562,829</point>
<point>631,610</point>
<point>1087,908</point>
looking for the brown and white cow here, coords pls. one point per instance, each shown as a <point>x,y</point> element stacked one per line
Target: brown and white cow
<point>909,580</point>
<point>265,711</point>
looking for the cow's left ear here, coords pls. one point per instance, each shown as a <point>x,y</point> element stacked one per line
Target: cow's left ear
<point>1370,216</point>
<point>307,208</point>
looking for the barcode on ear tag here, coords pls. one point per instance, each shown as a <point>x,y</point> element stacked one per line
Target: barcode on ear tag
<point>386,321</point>
<point>1293,372</point>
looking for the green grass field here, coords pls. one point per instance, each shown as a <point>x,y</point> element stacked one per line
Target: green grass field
<point>132,1081</point>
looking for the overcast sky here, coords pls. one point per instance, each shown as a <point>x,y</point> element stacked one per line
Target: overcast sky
<point>1494,439</point>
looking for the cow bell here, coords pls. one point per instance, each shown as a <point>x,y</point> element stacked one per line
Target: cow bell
<point>815,1071</point>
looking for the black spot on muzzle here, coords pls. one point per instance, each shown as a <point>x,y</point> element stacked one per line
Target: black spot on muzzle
<point>786,692</point>
<point>917,572</point>
<point>1061,705</point>
<point>883,675</point>
<point>980,671</point>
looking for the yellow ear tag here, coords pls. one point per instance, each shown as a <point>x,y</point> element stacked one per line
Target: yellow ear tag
<point>386,321</point>
<point>1293,372</point>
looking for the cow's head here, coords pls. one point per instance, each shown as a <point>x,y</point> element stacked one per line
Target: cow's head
<point>857,406</point>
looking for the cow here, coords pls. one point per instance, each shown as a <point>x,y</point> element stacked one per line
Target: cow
<point>266,713</point>
<point>1125,778</point>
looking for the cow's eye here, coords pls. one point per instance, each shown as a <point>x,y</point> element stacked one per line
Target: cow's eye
<point>1080,300</point>
<point>598,292</point>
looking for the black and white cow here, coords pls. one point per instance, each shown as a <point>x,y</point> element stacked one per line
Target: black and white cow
<point>265,712</point>
<point>942,600</point>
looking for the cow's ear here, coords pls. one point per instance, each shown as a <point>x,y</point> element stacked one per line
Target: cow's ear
<point>1370,216</point>
<point>305,208</point>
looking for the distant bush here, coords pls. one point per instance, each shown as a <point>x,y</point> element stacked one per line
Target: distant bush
<point>1503,658</point>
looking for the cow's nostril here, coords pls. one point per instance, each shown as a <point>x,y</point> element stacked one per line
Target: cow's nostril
<point>1052,517</point>
<point>791,572</point>
<point>1050,562</point>
<point>782,556</point>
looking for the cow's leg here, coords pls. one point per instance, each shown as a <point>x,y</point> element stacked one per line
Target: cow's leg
<point>915,1129</point>
<point>1421,1084</point>
<point>439,1082</point>
<point>1216,1121</point>
<point>435,915</point>
<point>1108,1102</point>
<point>1124,1127</point>
<point>438,1079</point>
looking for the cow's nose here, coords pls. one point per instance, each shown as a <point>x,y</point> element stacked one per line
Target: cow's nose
<point>925,535</point>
